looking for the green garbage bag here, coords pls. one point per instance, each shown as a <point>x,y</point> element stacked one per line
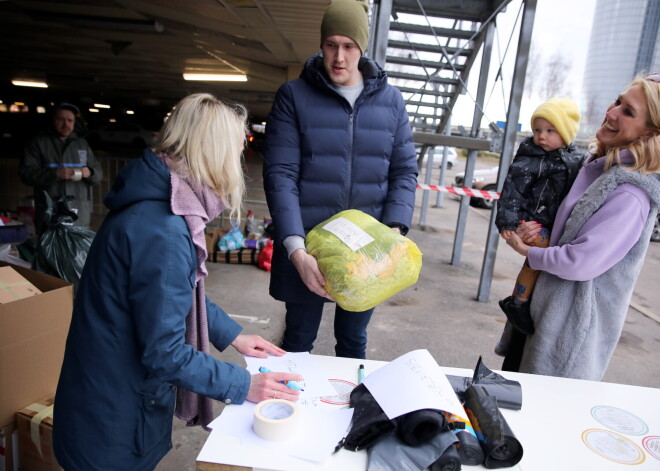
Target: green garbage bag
<point>364,262</point>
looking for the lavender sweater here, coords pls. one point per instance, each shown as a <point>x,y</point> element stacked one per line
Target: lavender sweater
<point>604,239</point>
<point>581,298</point>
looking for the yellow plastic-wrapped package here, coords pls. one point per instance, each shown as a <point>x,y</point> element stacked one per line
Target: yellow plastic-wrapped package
<point>364,262</point>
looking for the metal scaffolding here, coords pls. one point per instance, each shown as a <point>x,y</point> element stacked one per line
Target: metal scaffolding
<point>427,48</point>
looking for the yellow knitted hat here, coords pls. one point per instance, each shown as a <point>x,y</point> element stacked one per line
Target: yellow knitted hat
<point>563,114</point>
<point>347,18</point>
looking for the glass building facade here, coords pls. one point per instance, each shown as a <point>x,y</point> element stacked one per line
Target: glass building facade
<point>625,39</point>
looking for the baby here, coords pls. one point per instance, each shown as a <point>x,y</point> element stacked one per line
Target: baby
<point>539,178</point>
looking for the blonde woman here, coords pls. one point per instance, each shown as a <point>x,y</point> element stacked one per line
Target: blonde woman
<point>141,325</point>
<point>597,246</point>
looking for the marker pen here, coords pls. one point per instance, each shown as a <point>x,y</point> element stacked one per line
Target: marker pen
<point>290,384</point>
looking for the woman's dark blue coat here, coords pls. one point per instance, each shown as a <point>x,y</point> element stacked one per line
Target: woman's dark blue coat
<point>125,353</point>
<point>323,156</point>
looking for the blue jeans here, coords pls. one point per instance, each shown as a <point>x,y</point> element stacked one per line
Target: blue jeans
<point>302,325</point>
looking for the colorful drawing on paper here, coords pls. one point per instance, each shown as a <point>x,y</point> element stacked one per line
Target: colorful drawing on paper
<point>343,396</point>
<point>652,446</point>
<point>619,420</point>
<point>613,446</point>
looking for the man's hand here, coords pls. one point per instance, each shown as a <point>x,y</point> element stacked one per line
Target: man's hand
<point>255,346</point>
<point>64,173</point>
<point>308,268</point>
<point>68,173</point>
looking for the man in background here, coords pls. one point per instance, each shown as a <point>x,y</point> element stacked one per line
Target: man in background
<point>61,163</point>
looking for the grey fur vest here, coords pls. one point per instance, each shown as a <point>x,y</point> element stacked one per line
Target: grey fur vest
<point>578,323</point>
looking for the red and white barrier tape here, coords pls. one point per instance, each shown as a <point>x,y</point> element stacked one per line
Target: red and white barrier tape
<point>461,191</point>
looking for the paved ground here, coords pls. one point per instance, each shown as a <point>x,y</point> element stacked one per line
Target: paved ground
<point>439,313</point>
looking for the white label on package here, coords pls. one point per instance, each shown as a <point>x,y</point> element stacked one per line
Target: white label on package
<point>350,234</point>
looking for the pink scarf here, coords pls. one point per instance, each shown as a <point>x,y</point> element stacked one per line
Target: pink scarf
<point>198,205</point>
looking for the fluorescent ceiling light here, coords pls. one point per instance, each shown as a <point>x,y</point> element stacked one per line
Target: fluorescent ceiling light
<point>29,83</point>
<point>101,105</point>
<point>130,112</point>
<point>93,110</point>
<point>216,77</point>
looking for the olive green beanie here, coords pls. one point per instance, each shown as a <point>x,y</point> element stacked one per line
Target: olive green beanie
<point>563,114</point>
<point>347,18</point>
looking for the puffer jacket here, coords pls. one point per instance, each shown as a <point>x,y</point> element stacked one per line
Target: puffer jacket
<point>536,184</point>
<point>126,353</point>
<point>43,155</point>
<point>323,156</point>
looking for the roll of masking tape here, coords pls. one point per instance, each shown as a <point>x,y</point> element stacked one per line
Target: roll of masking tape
<point>77,174</point>
<point>276,419</point>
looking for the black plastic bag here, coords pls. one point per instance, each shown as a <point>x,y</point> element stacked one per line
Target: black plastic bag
<point>501,448</point>
<point>391,454</point>
<point>369,422</point>
<point>469,449</point>
<point>507,392</point>
<point>62,248</point>
<point>448,461</point>
<point>468,446</point>
<point>418,427</point>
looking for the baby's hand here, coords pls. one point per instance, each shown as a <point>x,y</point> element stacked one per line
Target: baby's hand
<point>506,234</point>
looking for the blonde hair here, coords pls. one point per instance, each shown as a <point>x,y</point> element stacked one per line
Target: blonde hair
<point>204,138</point>
<point>646,151</point>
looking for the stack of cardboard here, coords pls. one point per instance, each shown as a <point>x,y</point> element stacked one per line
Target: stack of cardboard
<point>244,256</point>
<point>35,313</point>
<point>35,435</point>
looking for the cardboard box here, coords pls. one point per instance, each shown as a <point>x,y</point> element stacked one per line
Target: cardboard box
<point>13,286</point>
<point>35,437</point>
<point>242,256</point>
<point>212,239</point>
<point>33,332</point>
<point>8,448</point>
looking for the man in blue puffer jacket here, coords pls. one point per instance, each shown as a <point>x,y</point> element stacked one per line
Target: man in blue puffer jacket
<point>337,138</point>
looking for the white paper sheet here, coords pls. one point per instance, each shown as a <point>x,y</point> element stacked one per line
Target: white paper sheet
<point>319,431</point>
<point>229,450</point>
<point>412,382</point>
<point>314,383</point>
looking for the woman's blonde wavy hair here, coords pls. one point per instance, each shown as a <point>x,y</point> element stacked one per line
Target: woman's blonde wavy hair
<point>204,137</point>
<point>646,148</point>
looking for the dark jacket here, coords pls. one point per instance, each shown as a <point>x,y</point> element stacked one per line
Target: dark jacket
<point>43,155</point>
<point>323,157</point>
<point>536,184</point>
<point>125,353</point>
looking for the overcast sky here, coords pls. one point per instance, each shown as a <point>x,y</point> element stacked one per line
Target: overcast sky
<point>559,26</point>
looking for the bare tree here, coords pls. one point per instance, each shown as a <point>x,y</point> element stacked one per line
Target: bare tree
<point>547,79</point>
<point>554,83</point>
<point>534,73</point>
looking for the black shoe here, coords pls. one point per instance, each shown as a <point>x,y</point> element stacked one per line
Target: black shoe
<point>518,314</point>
